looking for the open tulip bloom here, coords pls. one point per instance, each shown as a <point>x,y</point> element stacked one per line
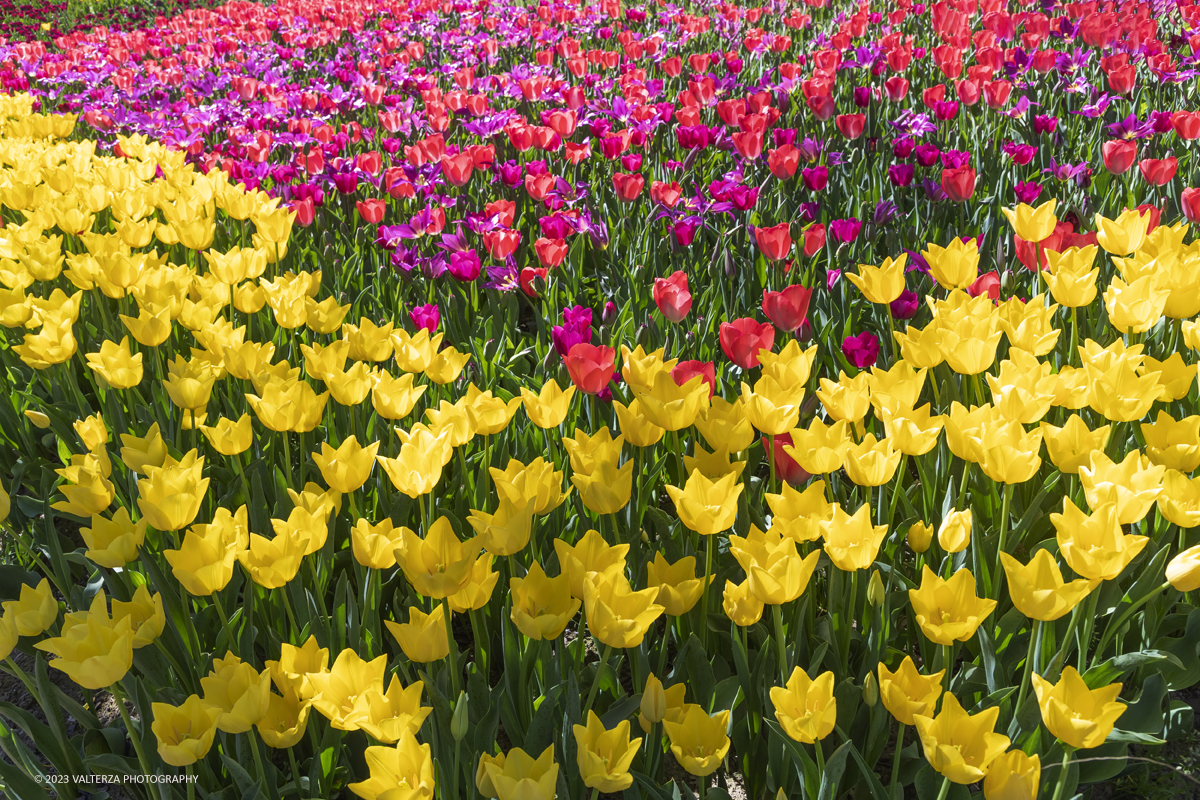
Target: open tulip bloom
<point>424,390</point>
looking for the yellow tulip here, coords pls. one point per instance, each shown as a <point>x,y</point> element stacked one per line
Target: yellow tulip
<point>87,490</point>
<point>185,732</point>
<point>145,613</point>
<point>806,709</point>
<point>338,693</point>
<point>604,756</point>
<point>699,741</point>
<point>506,532</point>
<point>288,405</point>
<point>740,604</point>
<point>771,408</point>
<point>1071,446</point>
<point>919,536</point>
<point>1123,235</point>
<point>113,543</point>
<point>1076,715</point>
<point>272,563</point>
<point>1032,224</point>
<point>391,714</point>
<point>368,341</point>
<point>489,415</point>
<point>1038,590</point>
<point>590,554</point>
<point>636,427</point>
<point>481,582</point>
<point>438,565</point>
<point>95,653</point>
<point>1133,484</point>
<point>704,506</point>
<point>34,610</point>
<point>1183,571</point>
<point>418,467</point>
<point>1094,546</point>
<point>959,745</point>
<point>414,352</point>
<point>1136,307</point>
<point>953,266</point>
<point>395,398</point>
<point>907,693</point>
<point>882,284</point>
<point>851,541</point>
<point>617,615</point>
<point>920,347</point>
<point>285,721</point>
<point>775,572</point>
<point>348,466</point>
<point>948,610</point>
<point>639,368</point>
<point>240,691</point>
<point>669,405</point>
<point>521,777</point>
<point>542,607</point>
<point>548,407</point>
<point>1180,500</point>
<point>955,532</point>
<point>1013,776</point>
<point>1071,276</point>
<point>678,587</point>
<point>119,367</point>
<point>605,489</point>
<point>848,399</point>
<point>537,482</point>
<point>872,462</point>
<point>724,424</point>
<point>404,771</point>
<point>822,448</point>
<point>374,546</point>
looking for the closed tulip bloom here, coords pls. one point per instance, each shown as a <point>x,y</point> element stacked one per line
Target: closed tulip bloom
<point>94,652</point>
<point>1076,715</point>
<point>585,451</point>
<point>1013,776</point>
<point>438,565</point>
<point>1038,590</point>
<point>704,506</point>
<point>521,777</point>
<point>336,693</point>
<point>34,610</point>
<point>347,467</point>
<point>8,635</point>
<point>671,406</point>
<point>423,638</point>
<point>239,691</point>
<point>403,772</point>
<point>120,368</point>
<point>798,515</point>
<point>482,782</point>
<point>204,562</point>
<point>368,341</point>
<point>606,489</point>
<point>87,489</point>
<point>907,693</point>
<point>229,438</point>
<point>919,537</point>
<point>921,347</point>
<point>285,721</point>
<point>447,364</point>
<point>591,367</point>
<point>882,284</point>
<point>1183,571</point>
<point>639,368</point>
<point>148,451</point>
<point>1123,235</point>
<point>604,755</point>
<point>636,427</point>
<point>395,398</point>
<point>740,604</point>
<point>418,467</point>
<point>272,563</point>
<point>672,296</point>
<point>617,615</point>
<point>290,405</point>
<point>955,266</point>
<point>306,527</point>
<point>1095,546</point>
<point>806,709</point>
<point>959,745</point>
<point>848,399</point>
<point>548,407</point>
<point>170,495</point>
<point>851,541</point>
<point>351,387</point>
<point>113,543</point>
<point>1136,306</point>
<point>489,414</point>
<point>1032,224</point>
<point>1071,275</point>
<point>589,554</point>
<point>955,532</point>
<point>699,741</point>
<point>506,532</point>
<point>743,338</point>
<point>654,705</point>
<point>189,383</point>
<point>145,613</point>
<point>1133,485</point>
<point>1173,444</point>
<point>538,482</point>
<point>542,607</point>
<point>185,733</point>
<point>1071,446</point>
<point>414,352</point>
<point>771,408</point>
<point>775,572</point>
<point>678,587</point>
<point>451,420</point>
<point>1180,500</point>
<point>1010,453</point>
<point>949,610</point>
<point>912,431</point>
<point>1174,376</point>
<point>968,343</point>
<point>724,424</point>
<point>822,448</point>
<point>872,462</point>
<point>481,582</point>
<point>787,308</point>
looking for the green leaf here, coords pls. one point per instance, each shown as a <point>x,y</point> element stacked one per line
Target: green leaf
<point>834,767</point>
<point>1115,667</point>
<point>540,734</point>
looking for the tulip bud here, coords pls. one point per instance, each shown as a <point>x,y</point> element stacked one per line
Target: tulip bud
<point>870,689</point>
<point>643,335</point>
<point>730,267</point>
<point>955,533</point>
<point>38,419</point>
<point>645,538</point>
<point>654,700</point>
<point>875,593</point>
<point>459,722</point>
<point>780,795</point>
<point>609,313</point>
<point>920,536</point>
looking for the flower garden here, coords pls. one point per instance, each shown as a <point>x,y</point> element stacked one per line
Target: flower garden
<point>434,399</point>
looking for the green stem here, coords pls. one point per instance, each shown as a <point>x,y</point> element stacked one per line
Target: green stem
<point>191,782</point>
<point>896,761</point>
<point>295,771</point>
<point>945,790</point>
<point>119,694</point>
<point>258,764</point>
<point>1062,773</point>
<point>453,648</point>
<point>1008,490</point>
<point>1112,629</point>
<point>1034,637</point>
<point>1052,673</point>
<point>233,645</point>
<point>780,641</point>
<point>708,559</point>
<point>591,698</point>
<point>820,758</point>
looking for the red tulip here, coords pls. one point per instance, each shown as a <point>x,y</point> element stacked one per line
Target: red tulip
<point>501,243</point>
<point>628,187</point>
<point>539,186</point>
<point>822,106</point>
<point>504,210</point>
<point>995,93</point>
<point>527,277</point>
<point>958,183</point>
<point>748,144</point>
<point>775,242</point>
<point>306,211</point>
<point>673,297</point>
<point>783,161</point>
<point>850,125</point>
<point>1186,124</point>
<point>684,371</point>
<point>550,252</point>
<point>667,194</point>
<point>371,210</point>
<point>370,162</point>
<point>1190,201</point>
<point>1122,79</point>
<point>457,169</point>
<point>789,308</point>
<point>988,284</point>
<point>968,92</point>
<point>562,122</point>
<point>743,338</point>
<point>591,366</point>
<point>1158,171</point>
<point>1155,214</point>
<point>814,239</point>
<point>786,467</point>
<point>896,88</point>
<point>1119,155</point>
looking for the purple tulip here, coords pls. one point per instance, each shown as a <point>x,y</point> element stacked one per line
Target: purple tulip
<point>845,230</point>
<point>465,265</point>
<point>426,317</point>
<point>1027,192</point>
<point>901,174</point>
<point>862,351</point>
<point>906,305</point>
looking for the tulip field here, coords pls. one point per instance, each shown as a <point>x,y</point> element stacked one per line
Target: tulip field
<point>415,399</point>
